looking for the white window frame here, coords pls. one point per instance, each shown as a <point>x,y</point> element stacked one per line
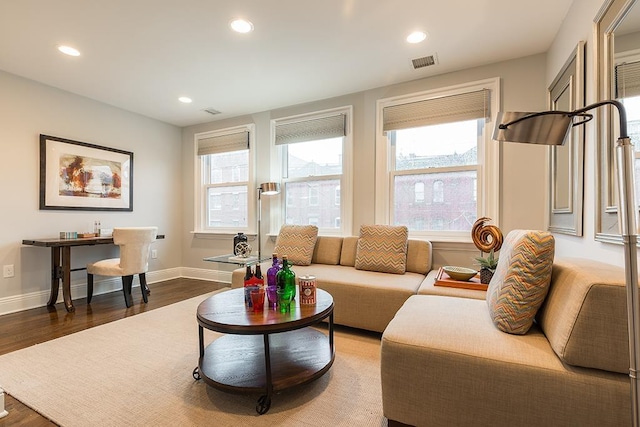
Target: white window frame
<point>200,189</point>
<point>346,179</point>
<point>488,191</point>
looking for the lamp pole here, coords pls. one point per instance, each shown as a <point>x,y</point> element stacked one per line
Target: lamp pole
<point>548,128</point>
<point>268,189</point>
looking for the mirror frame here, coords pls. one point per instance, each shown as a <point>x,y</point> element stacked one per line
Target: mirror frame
<point>567,217</point>
<point>610,16</point>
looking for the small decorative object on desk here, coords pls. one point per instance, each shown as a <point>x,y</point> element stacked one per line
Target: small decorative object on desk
<point>238,238</point>
<point>487,238</point>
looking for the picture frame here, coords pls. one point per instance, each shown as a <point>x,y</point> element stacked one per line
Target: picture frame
<point>80,176</point>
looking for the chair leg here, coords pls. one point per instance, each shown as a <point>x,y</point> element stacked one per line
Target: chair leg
<point>89,287</point>
<point>127,281</point>
<point>143,287</point>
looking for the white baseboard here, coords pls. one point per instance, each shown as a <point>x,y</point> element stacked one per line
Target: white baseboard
<point>30,300</point>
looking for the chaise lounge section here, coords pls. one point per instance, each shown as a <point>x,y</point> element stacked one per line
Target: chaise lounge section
<point>444,362</point>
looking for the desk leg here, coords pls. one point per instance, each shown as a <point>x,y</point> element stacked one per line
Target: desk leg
<point>66,278</point>
<point>55,275</point>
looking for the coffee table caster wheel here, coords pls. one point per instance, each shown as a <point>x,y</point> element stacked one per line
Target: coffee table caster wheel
<point>196,374</point>
<point>264,403</point>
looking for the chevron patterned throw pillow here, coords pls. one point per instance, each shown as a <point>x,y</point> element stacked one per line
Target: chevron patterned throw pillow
<point>521,281</point>
<point>382,248</point>
<point>297,243</point>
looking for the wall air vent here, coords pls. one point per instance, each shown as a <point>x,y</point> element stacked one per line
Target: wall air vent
<point>211,111</point>
<point>425,61</point>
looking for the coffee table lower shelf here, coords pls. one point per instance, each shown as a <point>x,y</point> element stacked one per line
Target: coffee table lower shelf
<point>239,363</point>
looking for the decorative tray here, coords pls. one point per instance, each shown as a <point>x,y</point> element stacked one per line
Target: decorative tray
<point>443,279</point>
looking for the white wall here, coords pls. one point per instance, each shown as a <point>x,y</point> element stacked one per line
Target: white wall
<point>28,109</point>
<point>523,206</point>
<point>579,25</point>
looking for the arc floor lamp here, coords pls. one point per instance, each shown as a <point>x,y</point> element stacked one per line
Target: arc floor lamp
<point>266,189</point>
<point>552,128</point>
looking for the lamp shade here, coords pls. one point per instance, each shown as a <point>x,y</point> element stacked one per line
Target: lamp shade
<point>546,129</point>
<point>269,188</point>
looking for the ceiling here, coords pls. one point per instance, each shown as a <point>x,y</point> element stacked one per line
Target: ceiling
<point>141,55</point>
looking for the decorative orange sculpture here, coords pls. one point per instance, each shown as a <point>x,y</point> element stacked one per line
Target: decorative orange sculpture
<point>486,237</point>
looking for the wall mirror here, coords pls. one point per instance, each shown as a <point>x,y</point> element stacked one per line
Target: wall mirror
<point>617,32</point>
<point>566,93</point>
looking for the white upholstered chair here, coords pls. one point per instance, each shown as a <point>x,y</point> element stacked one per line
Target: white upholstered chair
<point>134,245</point>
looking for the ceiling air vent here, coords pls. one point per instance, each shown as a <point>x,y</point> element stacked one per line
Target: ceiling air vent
<point>425,61</point>
<point>211,111</point>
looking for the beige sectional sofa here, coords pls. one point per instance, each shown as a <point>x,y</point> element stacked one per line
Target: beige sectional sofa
<point>444,362</point>
<point>362,299</point>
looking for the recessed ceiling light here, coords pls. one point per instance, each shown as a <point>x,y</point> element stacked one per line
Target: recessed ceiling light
<point>68,50</point>
<point>241,26</point>
<point>185,100</point>
<point>416,37</point>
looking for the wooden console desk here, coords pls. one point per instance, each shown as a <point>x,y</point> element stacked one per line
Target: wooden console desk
<point>61,262</point>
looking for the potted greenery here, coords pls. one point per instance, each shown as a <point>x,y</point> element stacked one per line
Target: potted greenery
<point>487,267</point>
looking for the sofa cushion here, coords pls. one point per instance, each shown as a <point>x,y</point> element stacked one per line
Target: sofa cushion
<point>382,248</point>
<point>349,250</point>
<point>363,299</point>
<point>585,315</point>
<point>296,242</point>
<point>327,250</point>
<point>521,280</point>
<point>418,256</point>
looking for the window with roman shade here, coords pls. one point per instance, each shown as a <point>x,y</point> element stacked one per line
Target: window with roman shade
<point>225,172</point>
<point>315,151</point>
<point>439,142</point>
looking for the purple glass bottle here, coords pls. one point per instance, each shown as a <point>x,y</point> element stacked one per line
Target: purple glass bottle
<point>271,281</point>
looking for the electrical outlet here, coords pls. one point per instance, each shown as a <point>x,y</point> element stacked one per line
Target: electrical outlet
<point>154,253</point>
<point>7,271</point>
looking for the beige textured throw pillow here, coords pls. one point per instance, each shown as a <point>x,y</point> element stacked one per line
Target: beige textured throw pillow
<point>297,243</point>
<point>382,248</point>
<point>521,281</point>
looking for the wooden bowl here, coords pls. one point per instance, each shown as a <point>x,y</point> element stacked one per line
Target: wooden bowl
<point>459,273</point>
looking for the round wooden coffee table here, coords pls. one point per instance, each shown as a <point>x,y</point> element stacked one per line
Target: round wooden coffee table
<point>265,351</point>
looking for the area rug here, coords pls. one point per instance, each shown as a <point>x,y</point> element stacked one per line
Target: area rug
<point>138,372</point>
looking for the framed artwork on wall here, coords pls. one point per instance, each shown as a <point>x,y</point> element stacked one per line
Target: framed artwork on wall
<point>77,175</point>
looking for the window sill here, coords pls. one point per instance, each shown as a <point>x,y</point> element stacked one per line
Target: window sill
<point>200,234</point>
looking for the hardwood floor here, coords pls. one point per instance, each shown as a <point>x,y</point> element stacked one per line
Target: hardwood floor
<point>30,327</point>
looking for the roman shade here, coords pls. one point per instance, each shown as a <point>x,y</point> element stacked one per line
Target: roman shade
<point>224,143</point>
<point>333,126</point>
<point>627,79</point>
<point>446,109</point>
